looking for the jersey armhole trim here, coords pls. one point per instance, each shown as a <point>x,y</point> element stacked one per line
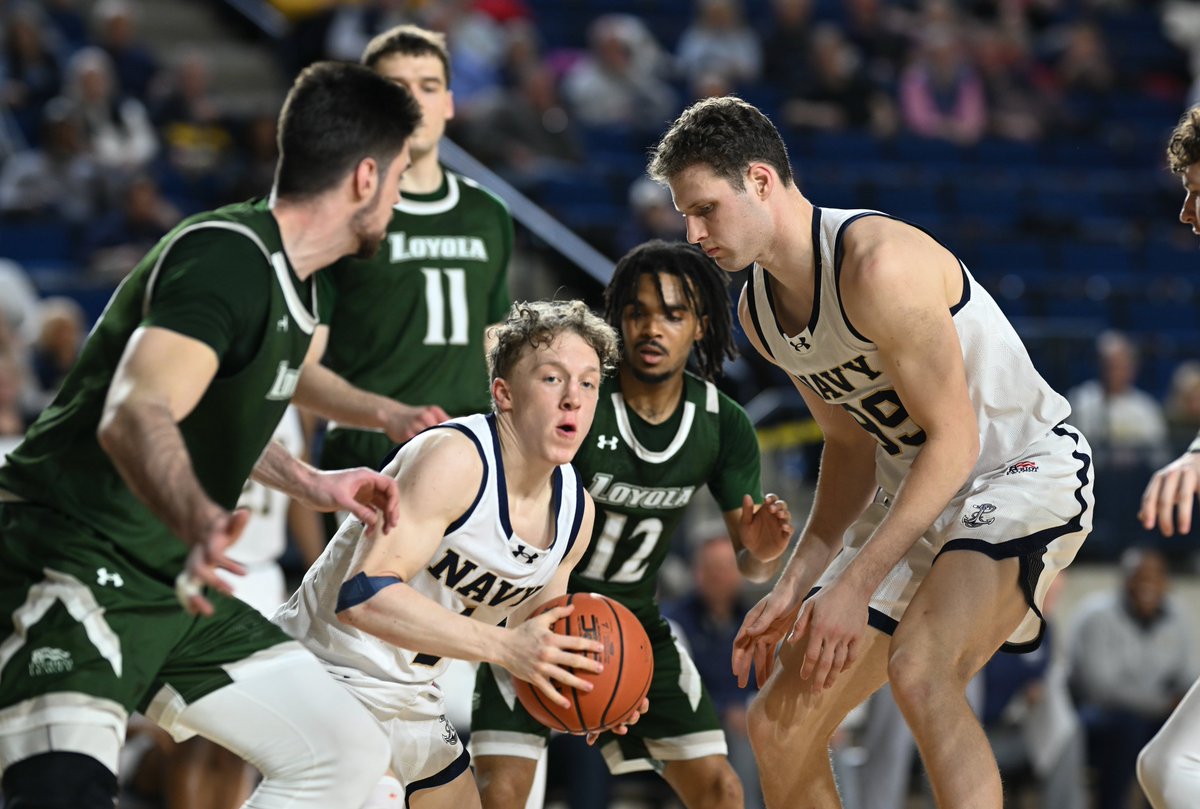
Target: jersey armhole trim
<point>237,228</point>
<point>580,507</point>
<point>466,515</point>
<point>839,248</point>
<point>751,294</point>
<point>501,483</point>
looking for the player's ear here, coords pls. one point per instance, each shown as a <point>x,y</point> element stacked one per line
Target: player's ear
<point>366,178</point>
<point>760,180</point>
<point>701,327</point>
<point>501,395</point>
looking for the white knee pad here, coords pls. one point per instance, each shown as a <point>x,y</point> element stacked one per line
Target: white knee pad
<point>316,745</point>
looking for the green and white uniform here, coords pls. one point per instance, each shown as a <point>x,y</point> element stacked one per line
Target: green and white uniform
<point>642,477</point>
<point>409,323</point>
<point>88,612</point>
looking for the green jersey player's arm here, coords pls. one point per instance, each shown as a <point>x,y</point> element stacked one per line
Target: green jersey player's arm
<point>327,394</point>
<point>438,475</point>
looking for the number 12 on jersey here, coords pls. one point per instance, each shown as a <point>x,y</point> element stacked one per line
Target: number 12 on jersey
<point>634,568</point>
<point>439,304</point>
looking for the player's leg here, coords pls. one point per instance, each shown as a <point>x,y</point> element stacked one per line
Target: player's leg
<point>963,611</point>
<point>236,679</point>
<point>506,743</point>
<point>1169,767</point>
<point>790,727</point>
<point>705,783</point>
<point>460,793</point>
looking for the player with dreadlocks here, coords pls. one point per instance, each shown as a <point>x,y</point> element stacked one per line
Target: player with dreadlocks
<point>660,433</point>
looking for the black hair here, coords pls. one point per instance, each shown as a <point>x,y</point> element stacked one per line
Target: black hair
<point>705,287</point>
<point>336,115</point>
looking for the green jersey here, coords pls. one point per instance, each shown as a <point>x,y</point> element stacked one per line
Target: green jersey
<point>642,476</point>
<point>219,277</point>
<point>409,323</point>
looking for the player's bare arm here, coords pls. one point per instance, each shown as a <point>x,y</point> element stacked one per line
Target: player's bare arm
<point>437,475</point>
<point>325,393</point>
<point>898,286</point>
<point>160,379</point>
<point>845,485</point>
<point>1170,494</point>
<point>364,493</point>
<point>760,533</point>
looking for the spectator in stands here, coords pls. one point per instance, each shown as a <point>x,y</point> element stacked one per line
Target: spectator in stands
<point>117,240</point>
<point>1084,78</point>
<point>1016,104</point>
<point>617,83</point>
<point>876,29</point>
<point>68,23</point>
<point>134,68</point>
<point>719,40</point>
<point>941,92</point>
<point>1125,425</point>
<point>652,216</point>
<point>60,337</point>
<point>30,73</point>
<point>838,94</point>
<point>118,128</point>
<point>528,134</point>
<point>1131,655</point>
<point>1183,405</point>
<point>253,169</point>
<point>14,418</point>
<point>1028,717</point>
<point>709,618</point>
<point>785,43</point>
<point>59,178</point>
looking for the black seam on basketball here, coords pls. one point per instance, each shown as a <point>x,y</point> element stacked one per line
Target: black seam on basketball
<point>616,686</point>
<point>575,691</point>
<point>537,694</point>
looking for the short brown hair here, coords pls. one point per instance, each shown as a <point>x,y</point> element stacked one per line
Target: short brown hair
<point>1183,149</point>
<point>408,40</point>
<point>727,134</point>
<point>533,324</point>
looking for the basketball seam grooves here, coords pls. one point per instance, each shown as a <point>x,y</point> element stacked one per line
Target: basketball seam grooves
<point>537,694</point>
<point>616,687</point>
<point>575,691</point>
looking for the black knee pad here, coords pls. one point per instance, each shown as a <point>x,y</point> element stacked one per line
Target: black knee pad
<point>59,781</point>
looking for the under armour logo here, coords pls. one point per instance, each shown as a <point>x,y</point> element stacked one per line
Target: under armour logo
<point>525,556</point>
<point>104,578</point>
<point>799,343</point>
<point>604,442</point>
<point>976,518</point>
<point>282,324</point>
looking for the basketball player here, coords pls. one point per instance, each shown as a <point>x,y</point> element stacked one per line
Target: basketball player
<point>1169,766</point>
<point>493,518</point>
<point>660,434</point>
<point>950,492</point>
<point>130,475</point>
<point>409,323</point>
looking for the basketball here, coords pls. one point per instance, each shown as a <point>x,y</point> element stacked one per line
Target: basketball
<point>619,689</point>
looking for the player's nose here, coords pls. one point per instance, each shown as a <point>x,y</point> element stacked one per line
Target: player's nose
<point>696,231</point>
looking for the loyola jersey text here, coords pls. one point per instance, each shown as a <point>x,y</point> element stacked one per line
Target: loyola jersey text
<point>1013,404</point>
<point>642,477</point>
<point>480,569</point>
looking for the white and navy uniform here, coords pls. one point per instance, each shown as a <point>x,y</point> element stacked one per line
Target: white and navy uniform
<point>1030,493</point>
<point>264,539</point>
<point>481,569</point>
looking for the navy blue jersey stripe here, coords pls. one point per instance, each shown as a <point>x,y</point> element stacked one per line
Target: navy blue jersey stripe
<point>580,506</point>
<point>753,304</point>
<point>456,768</point>
<point>501,483</point>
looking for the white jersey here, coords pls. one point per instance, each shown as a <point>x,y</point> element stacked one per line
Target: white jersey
<point>481,569</point>
<point>265,538</point>
<point>1014,406</point>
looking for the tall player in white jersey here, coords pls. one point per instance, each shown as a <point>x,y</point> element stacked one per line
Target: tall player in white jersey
<point>493,518</point>
<point>939,436</point>
<point>1169,766</point>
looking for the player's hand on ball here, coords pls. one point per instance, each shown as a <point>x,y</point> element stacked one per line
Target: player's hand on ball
<point>542,657</point>
<point>623,728</point>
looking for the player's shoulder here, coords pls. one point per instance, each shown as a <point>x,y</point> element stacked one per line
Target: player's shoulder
<point>239,228</point>
<point>454,446</point>
<point>708,394</point>
<point>472,192</point>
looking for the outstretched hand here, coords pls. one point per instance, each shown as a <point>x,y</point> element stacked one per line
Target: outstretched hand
<point>766,529</point>
<point>1167,501</point>
<point>767,623</point>
<point>362,492</point>
<point>208,554</point>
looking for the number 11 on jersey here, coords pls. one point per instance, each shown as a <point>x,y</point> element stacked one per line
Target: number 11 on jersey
<point>436,306</point>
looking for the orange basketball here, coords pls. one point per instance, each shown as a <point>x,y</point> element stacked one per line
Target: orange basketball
<point>619,689</point>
